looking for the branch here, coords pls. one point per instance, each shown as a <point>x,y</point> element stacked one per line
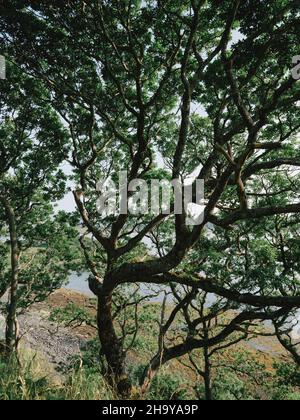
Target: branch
<point>257,213</point>
<point>210,287</point>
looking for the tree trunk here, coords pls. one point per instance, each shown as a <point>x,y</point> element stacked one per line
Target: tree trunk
<point>207,375</point>
<point>159,360</point>
<point>11,322</point>
<point>111,347</point>
<point>150,372</point>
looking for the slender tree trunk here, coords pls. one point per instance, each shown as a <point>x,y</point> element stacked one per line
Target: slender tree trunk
<point>207,375</point>
<point>150,372</point>
<point>111,346</point>
<point>168,354</point>
<point>11,322</point>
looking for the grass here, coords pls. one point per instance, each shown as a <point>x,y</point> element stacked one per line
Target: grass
<point>241,374</point>
<point>28,382</point>
<point>20,383</point>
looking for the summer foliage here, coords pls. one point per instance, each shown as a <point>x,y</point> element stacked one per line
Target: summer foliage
<point>157,89</point>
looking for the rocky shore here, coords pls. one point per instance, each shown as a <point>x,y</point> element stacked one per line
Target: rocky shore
<point>55,345</point>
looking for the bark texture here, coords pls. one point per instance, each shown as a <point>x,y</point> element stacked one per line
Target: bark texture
<point>11,322</point>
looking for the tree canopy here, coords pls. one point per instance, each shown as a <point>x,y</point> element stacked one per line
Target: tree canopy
<point>193,84</point>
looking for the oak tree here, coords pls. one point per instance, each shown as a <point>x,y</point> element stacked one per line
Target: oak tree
<point>192,82</point>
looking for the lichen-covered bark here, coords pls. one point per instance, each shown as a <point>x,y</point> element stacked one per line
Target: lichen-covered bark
<point>11,322</point>
<point>111,346</point>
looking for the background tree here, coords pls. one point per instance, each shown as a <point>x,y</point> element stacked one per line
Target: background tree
<point>129,79</point>
<point>32,146</point>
